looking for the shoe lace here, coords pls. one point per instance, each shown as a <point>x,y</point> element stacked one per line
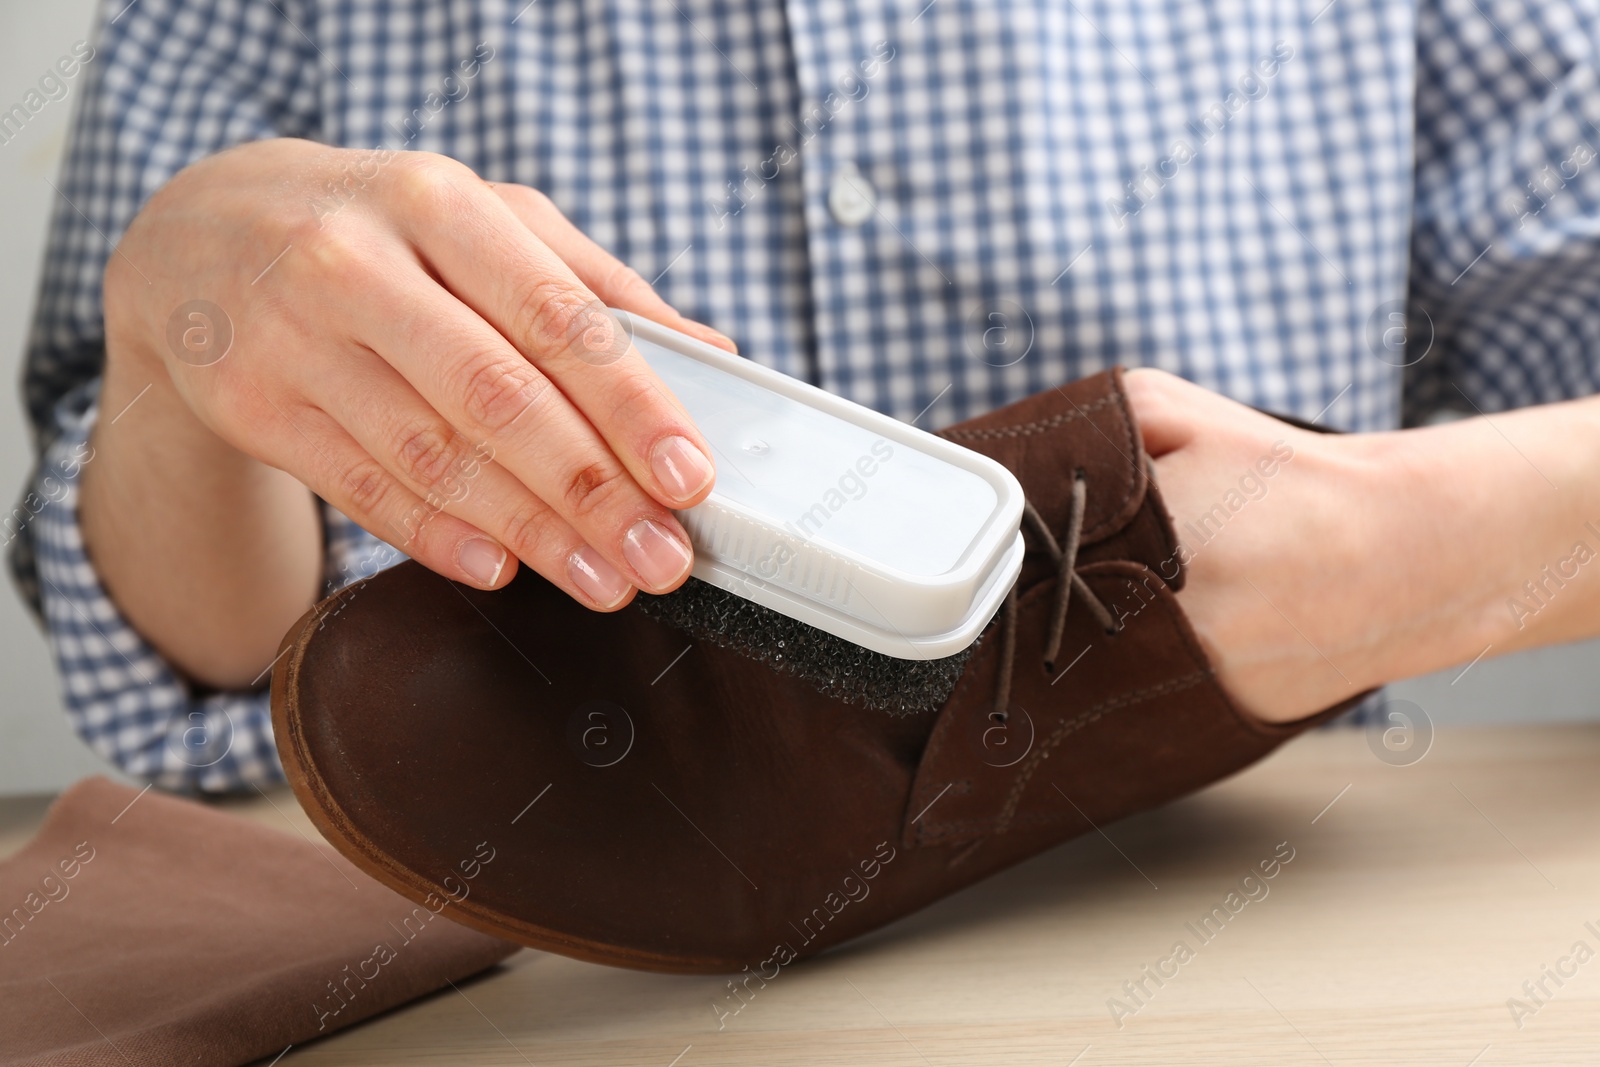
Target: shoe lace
<point>1064,555</point>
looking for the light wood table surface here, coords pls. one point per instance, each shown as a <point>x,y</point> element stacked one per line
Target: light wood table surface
<point>1419,899</point>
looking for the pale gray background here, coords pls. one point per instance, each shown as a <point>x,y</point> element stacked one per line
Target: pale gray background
<point>39,752</point>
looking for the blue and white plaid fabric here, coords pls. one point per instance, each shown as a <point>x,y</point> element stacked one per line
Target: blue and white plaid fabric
<point>933,207</point>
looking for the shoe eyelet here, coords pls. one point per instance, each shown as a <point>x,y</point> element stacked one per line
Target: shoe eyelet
<point>999,716</point>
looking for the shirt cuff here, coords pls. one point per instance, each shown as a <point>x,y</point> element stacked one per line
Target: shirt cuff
<point>122,696</point>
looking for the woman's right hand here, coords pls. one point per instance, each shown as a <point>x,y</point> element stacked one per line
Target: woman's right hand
<point>426,351</point>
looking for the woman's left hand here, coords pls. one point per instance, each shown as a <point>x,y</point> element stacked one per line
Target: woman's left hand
<point>1317,566</point>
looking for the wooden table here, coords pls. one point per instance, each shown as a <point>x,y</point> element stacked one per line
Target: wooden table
<point>1418,901</point>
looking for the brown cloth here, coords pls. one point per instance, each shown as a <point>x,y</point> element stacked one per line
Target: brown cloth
<point>144,929</point>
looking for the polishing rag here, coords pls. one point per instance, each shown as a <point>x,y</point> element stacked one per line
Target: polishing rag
<point>145,929</point>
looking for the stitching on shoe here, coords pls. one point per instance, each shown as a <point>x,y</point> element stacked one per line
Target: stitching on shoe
<point>1116,399</point>
<point>1138,696</point>
<point>927,833</point>
<point>1028,429</point>
<point>1134,455</point>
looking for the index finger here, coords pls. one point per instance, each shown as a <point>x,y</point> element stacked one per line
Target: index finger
<point>517,283</point>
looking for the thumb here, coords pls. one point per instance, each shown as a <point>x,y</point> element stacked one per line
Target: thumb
<point>1166,423</point>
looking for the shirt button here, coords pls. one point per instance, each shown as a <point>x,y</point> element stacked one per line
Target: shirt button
<point>851,198</point>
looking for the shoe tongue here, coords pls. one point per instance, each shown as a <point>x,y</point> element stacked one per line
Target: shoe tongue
<point>1047,438</point>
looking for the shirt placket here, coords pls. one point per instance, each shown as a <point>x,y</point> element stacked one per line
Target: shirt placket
<point>833,131</point>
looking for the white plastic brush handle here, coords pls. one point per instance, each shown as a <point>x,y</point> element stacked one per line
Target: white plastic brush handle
<point>837,515</point>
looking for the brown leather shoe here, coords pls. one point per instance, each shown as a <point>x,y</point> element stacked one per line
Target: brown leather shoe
<point>657,801</point>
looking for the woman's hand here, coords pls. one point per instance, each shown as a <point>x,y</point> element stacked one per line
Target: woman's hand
<point>1321,565</point>
<point>426,351</point>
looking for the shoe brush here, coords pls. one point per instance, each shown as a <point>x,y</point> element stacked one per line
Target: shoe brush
<point>839,545</point>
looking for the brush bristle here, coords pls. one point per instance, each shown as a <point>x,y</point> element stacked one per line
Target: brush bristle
<point>837,668</point>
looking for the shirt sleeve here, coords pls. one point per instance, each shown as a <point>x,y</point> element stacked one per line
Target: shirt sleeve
<point>165,82</point>
<point>1505,273</point>
<point>122,697</point>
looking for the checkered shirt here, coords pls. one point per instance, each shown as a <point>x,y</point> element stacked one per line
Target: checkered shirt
<point>1352,210</point>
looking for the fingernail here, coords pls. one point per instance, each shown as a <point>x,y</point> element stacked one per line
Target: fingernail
<point>681,468</point>
<point>598,579</point>
<point>660,558</point>
<point>716,337</point>
<point>482,560</point>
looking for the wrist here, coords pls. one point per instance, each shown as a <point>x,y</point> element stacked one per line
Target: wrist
<point>1405,599</point>
<point>1460,520</point>
<point>1527,497</point>
<point>208,552</point>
